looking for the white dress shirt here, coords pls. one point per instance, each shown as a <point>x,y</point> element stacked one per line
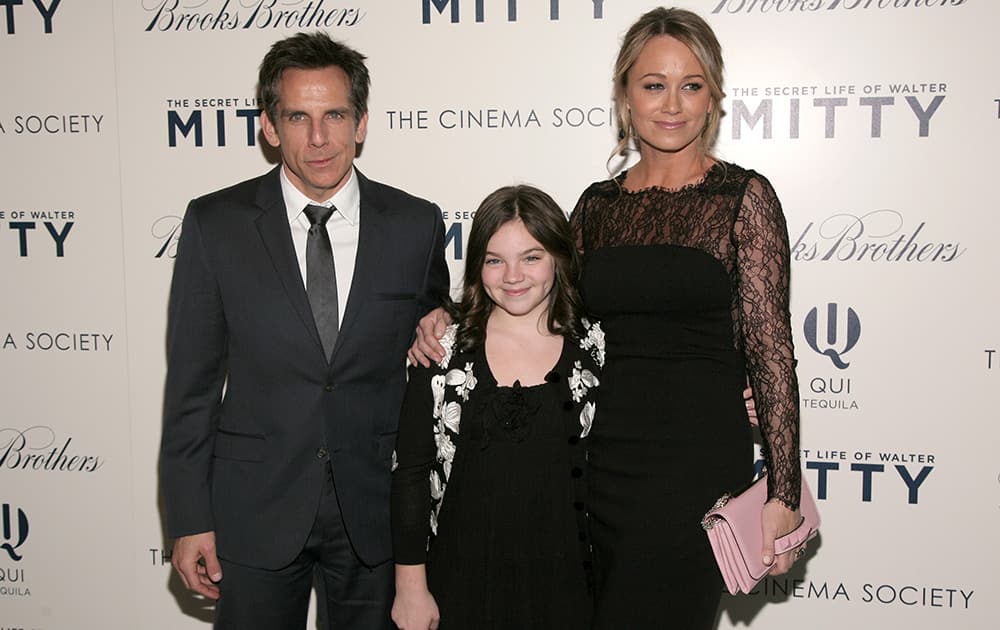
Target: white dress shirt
<point>342,227</point>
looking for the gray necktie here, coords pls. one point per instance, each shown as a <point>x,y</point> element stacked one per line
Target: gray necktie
<point>321,277</point>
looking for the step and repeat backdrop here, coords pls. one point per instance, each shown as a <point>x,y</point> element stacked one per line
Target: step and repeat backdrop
<point>878,122</point>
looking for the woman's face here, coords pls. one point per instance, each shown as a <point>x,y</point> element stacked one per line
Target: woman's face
<point>518,273</point>
<point>668,97</point>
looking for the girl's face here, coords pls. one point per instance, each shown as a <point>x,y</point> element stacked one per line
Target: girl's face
<point>518,273</point>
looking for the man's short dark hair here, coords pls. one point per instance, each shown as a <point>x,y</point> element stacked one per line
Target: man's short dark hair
<point>312,51</point>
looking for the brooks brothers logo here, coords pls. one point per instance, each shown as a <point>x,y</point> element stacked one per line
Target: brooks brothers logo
<point>875,593</point>
<point>502,9</point>
<point>166,232</point>
<point>37,448</point>
<point>781,6</point>
<point>230,15</point>
<point>218,120</point>
<point>794,111</point>
<point>878,236</point>
<point>832,331</point>
<point>17,15</point>
<point>13,534</point>
<point>36,232</point>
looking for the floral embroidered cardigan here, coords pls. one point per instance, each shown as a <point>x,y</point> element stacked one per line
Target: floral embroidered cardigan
<point>451,382</point>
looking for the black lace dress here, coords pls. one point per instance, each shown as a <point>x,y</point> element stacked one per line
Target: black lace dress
<point>691,286</point>
<point>510,550</point>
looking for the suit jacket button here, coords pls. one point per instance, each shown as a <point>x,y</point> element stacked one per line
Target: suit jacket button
<point>321,453</point>
<point>328,387</point>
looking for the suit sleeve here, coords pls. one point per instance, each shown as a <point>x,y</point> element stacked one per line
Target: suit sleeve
<point>196,372</point>
<point>436,280</point>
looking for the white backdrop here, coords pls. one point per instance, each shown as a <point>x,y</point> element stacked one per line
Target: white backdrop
<point>876,120</point>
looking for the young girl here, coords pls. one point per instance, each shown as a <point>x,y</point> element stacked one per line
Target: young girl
<point>498,428</point>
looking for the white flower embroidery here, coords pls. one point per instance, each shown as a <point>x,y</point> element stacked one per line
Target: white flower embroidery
<point>455,377</point>
<point>581,380</point>
<point>587,418</point>
<point>452,416</point>
<point>447,342</point>
<point>448,416</point>
<point>463,380</point>
<point>594,341</point>
<point>436,489</point>
<point>445,448</point>
<point>437,391</point>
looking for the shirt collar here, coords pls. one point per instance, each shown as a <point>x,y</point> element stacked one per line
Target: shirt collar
<point>347,200</point>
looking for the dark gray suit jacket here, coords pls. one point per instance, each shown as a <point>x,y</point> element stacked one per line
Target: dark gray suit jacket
<point>250,463</point>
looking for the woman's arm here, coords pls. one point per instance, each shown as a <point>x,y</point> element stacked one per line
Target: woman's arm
<point>763,262</point>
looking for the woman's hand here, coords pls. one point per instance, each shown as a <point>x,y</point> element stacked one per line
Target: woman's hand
<point>776,520</point>
<point>426,347</point>
<point>751,405</point>
<point>414,607</point>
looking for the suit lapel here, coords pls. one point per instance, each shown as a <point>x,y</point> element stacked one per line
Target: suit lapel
<point>371,237</point>
<point>272,223</point>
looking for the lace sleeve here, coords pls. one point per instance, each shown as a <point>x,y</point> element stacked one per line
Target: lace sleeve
<point>576,222</point>
<point>762,265</point>
<point>415,454</point>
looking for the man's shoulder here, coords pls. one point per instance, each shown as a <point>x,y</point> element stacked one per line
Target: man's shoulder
<point>242,193</point>
<point>391,198</point>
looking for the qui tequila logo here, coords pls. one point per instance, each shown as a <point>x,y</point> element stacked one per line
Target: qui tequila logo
<point>13,528</point>
<point>843,330</point>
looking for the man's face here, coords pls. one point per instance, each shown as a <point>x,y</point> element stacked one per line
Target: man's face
<point>314,129</point>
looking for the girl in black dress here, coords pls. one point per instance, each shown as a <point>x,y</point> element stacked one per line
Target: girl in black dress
<point>490,451</point>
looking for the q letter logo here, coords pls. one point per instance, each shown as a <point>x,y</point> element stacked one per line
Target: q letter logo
<point>8,530</point>
<point>834,345</point>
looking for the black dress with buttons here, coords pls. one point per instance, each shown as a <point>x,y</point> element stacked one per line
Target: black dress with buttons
<point>511,544</point>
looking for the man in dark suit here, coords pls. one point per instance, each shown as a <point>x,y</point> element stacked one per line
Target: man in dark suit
<point>294,299</point>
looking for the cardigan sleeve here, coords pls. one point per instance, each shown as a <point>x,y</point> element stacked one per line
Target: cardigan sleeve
<point>416,452</point>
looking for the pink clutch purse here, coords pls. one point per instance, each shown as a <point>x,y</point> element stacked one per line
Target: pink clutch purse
<point>733,527</point>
